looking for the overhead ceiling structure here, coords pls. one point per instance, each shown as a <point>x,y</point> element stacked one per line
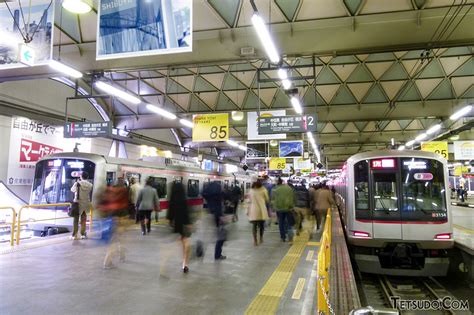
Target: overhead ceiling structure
<point>372,70</point>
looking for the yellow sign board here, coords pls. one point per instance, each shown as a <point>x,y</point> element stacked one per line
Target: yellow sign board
<point>459,170</point>
<point>277,164</point>
<point>210,127</point>
<point>438,147</point>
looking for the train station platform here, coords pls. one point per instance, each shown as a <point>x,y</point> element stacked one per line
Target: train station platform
<point>463,226</point>
<point>57,275</point>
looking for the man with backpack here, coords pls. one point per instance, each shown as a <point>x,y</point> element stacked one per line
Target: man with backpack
<point>301,205</point>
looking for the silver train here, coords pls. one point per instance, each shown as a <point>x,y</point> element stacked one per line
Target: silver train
<point>55,175</point>
<point>396,212</point>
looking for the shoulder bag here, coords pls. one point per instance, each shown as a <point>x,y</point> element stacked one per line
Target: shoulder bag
<point>73,210</point>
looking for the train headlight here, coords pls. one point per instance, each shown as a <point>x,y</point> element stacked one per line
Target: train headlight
<point>443,236</point>
<point>360,234</point>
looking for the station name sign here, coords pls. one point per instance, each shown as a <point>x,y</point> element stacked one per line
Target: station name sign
<point>88,129</point>
<point>287,124</point>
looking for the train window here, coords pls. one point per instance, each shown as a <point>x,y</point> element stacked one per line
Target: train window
<point>247,186</point>
<point>226,184</point>
<point>361,189</point>
<point>193,188</point>
<point>385,191</point>
<point>54,179</point>
<point>423,190</point>
<point>159,183</point>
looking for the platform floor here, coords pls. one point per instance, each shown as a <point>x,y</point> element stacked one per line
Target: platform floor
<point>463,226</point>
<point>66,277</point>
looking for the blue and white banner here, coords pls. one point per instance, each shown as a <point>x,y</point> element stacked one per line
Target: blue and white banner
<point>130,28</point>
<point>37,19</point>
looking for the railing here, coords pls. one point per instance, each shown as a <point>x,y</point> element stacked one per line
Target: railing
<point>12,224</point>
<point>324,263</point>
<point>38,206</point>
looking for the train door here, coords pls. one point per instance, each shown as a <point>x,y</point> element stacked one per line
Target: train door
<point>386,217</point>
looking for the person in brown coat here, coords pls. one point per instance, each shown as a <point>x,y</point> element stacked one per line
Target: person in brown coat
<point>323,199</point>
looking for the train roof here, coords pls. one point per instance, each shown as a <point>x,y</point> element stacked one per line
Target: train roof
<point>394,153</point>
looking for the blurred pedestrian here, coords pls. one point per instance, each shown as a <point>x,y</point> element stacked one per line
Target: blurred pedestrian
<point>179,217</point>
<point>214,198</point>
<point>283,201</point>
<point>236,196</point>
<point>134,190</point>
<point>301,205</point>
<point>147,202</point>
<point>257,210</point>
<point>324,200</point>
<point>82,190</point>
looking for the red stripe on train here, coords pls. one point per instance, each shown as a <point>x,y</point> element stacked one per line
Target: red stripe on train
<point>402,222</point>
<point>164,204</point>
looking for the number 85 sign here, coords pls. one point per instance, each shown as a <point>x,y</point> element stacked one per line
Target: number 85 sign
<point>211,127</point>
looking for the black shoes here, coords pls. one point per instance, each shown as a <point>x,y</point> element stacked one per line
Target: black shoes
<point>221,258</point>
<point>185,269</point>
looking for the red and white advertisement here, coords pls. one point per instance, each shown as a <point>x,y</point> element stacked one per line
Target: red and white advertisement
<point>30,140</point>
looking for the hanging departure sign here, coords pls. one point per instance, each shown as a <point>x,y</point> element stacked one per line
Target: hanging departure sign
<point>210,127</point>
<point>88,129</point>
<point>287,124</point>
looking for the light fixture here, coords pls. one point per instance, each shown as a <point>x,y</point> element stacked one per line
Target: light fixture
<point>421,137</point>
<point>243,148</point>
<point>454,138</point>
<point>265,38</point>
<point>160,111</point>
<point>286,84</point>
<point>77,6</point>
<point>273,143</point>
<point>460,113</point>
<point>410,143</point>
<point>186,123</point>
<point>232,143</point>
<point>237,116</point>
<point>107,88</point>
<point>282,74</point>
<point>296,104</point>
<point>310,135</point>
<point>58,66</point>
<point>433,129</point>
<point>401,148</point>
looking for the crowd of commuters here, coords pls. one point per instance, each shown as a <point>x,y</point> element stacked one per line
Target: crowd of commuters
<point>120,205</point>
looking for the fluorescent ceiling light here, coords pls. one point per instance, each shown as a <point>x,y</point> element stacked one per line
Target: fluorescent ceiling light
<point>401,148</point>
<point>460,113</point>
<point>232,143</point>
<point>107,88</point>
<point>421,137</point>
<point>160,111</point>
<point>58,66</point>
<point>282,74</point>
<point>286,84</point>
<point>243,148</point>
<point>433,129</point>
<point>410,143</point>
<point>265,38</point>
<point>454,138</point>
<point>77,6</point>
<point>186,123</point>
<point>237,116</point>
<point>310,135</point>
<point>296,105</point>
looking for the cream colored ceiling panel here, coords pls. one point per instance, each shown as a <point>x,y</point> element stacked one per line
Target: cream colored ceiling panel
<point>350,127</point>
<point>325,59</point>
<point>443,3</point>
<point>246,77</point>
<point>377,6</point>
<point>329,128</point>
<point>88,26</point>
<point>237,96</point>
<point>359,89</point>
<point>181,99</point>
<point>392,126</point>
<point>209,98</point>
<point>399,54</point>
<point>391,88</point>
<point>263,9</point>
<point>411,66</point>
<point>426,86</point>
<point>415,125</point>
<point>461,84</point>
<point>378,68</point>
<point>450,64</point>
<point>320,9</point>
<point>266,95</point>
<point>327,91</point>
<point>343,71</point>
<point>362,57</point>
<point>159,84</point>
<point>186,81</point>
<point>215,79</point>
<point>370,126</point>
<point>205,18</point>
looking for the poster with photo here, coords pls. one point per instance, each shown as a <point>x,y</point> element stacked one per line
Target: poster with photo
<point>41,22</point>
<point>291,149</point>
<point>131,28</point>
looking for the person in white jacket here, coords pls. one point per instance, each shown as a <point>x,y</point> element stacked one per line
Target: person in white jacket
<point>257,210</point>
<point>82,194</point>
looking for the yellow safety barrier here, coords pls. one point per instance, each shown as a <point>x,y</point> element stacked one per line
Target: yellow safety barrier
<point>13,223</point>
<point>324,263</point>
<point>37,206</point>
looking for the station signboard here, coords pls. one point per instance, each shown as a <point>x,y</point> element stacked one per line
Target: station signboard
<point>438,147</point>
<point>277,164</point>
<point>88,129</point>
<point>252,125</point>
<point>211,127</point>
<point>287,124</point>
<point>463,150</point>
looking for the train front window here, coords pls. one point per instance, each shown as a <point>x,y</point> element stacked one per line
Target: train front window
<point>423,190</point>
<point>54,179</point>
<point>159,183</point>
<point>361,190</point>
<point>193,188</point>
<point>385,191</point>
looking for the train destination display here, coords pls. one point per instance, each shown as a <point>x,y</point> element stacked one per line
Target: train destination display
<point>287,124</point>
<point>88,129</point>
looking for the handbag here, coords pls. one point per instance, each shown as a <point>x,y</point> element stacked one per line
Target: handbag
<point>73,210</point>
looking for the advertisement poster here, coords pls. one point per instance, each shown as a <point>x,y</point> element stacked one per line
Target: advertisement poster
<point>252,125</point>
<point>463,150</point>
<point>30,140</point>
<point>41,17</point>
<point>130,28</point>
<point>291,148</point>
<point>260,150</point>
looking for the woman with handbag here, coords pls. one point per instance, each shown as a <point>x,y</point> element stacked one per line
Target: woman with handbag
<point>257,210</point>
<point>81,204</point>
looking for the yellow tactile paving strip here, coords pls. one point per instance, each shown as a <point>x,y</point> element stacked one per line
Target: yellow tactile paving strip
<point>268,299</point>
